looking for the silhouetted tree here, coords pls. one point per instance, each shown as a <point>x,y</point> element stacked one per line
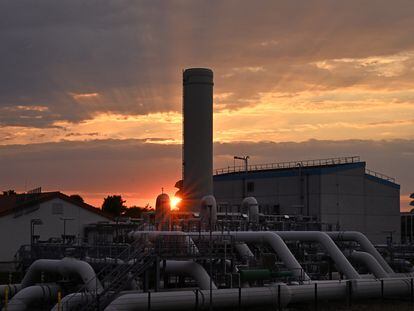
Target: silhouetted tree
<point>9,192</point>
<point>114,204</point>
<point>77,198</point>
<point>136,211</point>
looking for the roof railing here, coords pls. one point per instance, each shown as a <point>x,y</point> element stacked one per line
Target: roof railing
<point>290,164</point>
<point>379,175</point>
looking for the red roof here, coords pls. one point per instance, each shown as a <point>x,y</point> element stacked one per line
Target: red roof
<point>9,203</point>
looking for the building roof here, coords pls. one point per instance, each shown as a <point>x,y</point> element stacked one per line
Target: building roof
<point>10,203</point>
<point>313,167</point>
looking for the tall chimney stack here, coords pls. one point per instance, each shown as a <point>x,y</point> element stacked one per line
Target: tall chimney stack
<point>198,137</point>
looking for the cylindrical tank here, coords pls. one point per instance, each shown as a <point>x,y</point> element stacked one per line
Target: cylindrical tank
<point>198,136</point>
<point>251,206</point>
<point>162,211</point>
<point>208,212</point>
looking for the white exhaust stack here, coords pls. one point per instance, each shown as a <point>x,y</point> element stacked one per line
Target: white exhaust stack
<point>198,137</point>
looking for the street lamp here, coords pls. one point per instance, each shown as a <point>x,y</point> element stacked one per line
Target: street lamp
<point>33,223</point>
<point>64,227</point>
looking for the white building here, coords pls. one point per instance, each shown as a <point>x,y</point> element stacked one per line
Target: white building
<point>339,191</point>
<point>41,216</point>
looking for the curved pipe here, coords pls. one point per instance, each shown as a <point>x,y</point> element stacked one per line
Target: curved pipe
<point>371,263</point>
<point>273,240</point>
<point>244,251</point>
<point>64,267</point>
<point>153,235</point>
<point>28,295</point>
<point>190,300</point>
<point>337,256</point>
<point>365,244</point>
<point>190,268</point>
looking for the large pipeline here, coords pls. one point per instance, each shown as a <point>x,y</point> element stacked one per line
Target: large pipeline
<point>64,267</point>
<point>200,300</point>
<point>190,268</point>
<point>33,294</point>
<point>278,295</point>
<point>370,263</point>
<point>330,247</point>
<point>270,238</point>
<point>365,244</point>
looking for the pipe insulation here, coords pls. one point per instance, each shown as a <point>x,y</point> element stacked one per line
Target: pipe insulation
<point>370,263</point>
<point>64,267</point>
<point>329,245</point>
<point>33,294</point>
<point>199,300</point>
<point>365,244</point>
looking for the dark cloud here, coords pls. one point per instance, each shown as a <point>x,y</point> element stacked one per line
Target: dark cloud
<point>131,52</point>
<point>126,166</point>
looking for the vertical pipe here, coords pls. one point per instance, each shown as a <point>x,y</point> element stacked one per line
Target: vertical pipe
<point>6,297</point>
<point>59,301</point>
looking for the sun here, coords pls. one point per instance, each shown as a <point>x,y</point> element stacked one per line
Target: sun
<point>174,203</point>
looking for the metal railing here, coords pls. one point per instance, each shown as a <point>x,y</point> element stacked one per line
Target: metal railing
<point>290,164</point>
<point>379,175</point>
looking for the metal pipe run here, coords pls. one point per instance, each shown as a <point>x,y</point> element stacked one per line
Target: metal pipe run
<point>32,294</point>
<point>337,256</point>
<point>365,244</point>
<point>244,251</point>
<point>199,299</point>
<point>190,268</point>
<point>274,240</point>
<point>370,263</point>
<point>64,267</point>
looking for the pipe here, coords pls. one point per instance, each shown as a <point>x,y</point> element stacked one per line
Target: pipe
<point>64,267</point>
<point>153,235</point>
<point>32,294</point>
<point>365,244</point>
<point>244,251</point>
<point>74,300</point>
<point>199,300</point>
<point>274,240</point>
<point>337,256</point>
<point>192,269</point>
<point>371,263</point>
<point>360,289</point>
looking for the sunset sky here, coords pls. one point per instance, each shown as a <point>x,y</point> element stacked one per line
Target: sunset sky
<point>90,91</point>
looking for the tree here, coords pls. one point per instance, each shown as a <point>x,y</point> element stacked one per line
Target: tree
<point>77,198</point>
<point>114,204</point>
<point>136,211</point>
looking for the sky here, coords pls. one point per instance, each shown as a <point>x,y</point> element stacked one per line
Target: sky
<point>90,91</point>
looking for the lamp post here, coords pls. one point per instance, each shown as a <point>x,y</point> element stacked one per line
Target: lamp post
<point>64,227</point>
<point>33,223</point>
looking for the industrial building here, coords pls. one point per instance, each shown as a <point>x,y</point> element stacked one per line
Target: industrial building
<point>340,193</point>
<point>277,237</point>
